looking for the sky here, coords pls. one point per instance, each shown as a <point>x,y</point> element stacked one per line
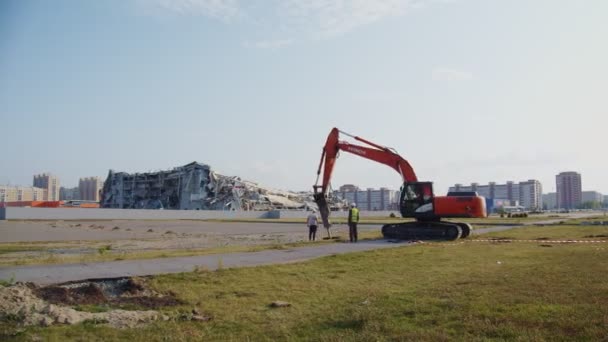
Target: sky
<point>465,90</point>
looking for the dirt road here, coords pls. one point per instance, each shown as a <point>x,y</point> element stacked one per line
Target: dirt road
<point>33,231</point>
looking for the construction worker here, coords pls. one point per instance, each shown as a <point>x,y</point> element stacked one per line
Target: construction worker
<point>353,219</point>
<point>312,222</point>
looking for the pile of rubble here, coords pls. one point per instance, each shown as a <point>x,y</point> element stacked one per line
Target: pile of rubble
<point>22,304</point>
<point>196,187</point>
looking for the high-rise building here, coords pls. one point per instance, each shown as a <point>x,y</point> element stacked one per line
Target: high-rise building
<point>89,188</point>
<point>49,183</point>
<point>531,194</point>
<point>569,190</point>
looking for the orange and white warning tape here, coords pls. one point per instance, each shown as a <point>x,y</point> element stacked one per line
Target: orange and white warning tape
<point>508,241</point>
<point>440,243</point>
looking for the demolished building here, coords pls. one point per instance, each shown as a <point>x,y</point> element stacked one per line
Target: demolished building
<point>196,186</point>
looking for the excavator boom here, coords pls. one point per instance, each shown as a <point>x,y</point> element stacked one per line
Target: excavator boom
<point>377,153</point>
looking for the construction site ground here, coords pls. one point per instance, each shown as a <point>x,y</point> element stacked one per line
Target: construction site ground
<point>58,251</point>
<point>534,282</point>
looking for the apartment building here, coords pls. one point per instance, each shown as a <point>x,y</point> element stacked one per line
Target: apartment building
<point>569,190</point>
<point>21,193</point>
<point>550,201</point>
<point>370,199</point>
<point>592,196</point>
<point>528,193</point>
<point>69,194</point>
<point>50,183</point>
<point>89,188</point>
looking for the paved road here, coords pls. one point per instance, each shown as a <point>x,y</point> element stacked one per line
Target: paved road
<point>51,274</point>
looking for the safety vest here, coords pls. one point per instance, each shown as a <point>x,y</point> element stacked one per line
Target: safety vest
<point>354,215</point>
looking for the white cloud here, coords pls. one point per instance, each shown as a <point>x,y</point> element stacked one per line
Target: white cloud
<point>268,44</point>
<point>329,18</point>
<point>312,18</point>
<point>225,10</point>
<point>447,74</point>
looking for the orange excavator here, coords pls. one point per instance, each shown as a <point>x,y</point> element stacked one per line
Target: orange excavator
<point>416,201</point>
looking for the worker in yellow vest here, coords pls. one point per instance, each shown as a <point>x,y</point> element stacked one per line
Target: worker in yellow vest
<point>353,219</point>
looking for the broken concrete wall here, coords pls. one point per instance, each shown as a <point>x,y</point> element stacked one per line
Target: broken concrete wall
<point>196,187</point>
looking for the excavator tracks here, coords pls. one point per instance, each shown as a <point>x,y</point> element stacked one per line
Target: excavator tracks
<point>429,230</point>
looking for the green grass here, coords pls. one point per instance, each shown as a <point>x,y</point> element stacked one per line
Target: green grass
<point>494,220</point>
<point>15,248</point>
<point>561,232</point>
<point>429,292</point>
<point>107,253</point>
<point>595,218</point>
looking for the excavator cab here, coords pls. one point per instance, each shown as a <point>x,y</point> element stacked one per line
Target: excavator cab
<point>417,200</point>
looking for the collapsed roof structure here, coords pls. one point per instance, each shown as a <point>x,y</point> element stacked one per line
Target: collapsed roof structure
<point>196,186</point>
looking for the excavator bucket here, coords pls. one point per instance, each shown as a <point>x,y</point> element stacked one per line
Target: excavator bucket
<point>323,209</point>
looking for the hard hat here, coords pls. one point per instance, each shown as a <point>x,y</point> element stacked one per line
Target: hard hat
<point>353,205</point>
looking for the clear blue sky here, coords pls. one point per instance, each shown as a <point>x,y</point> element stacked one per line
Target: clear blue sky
<point>466,90</point>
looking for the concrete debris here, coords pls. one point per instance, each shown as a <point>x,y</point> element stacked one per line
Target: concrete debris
<point>279,304</point>
<point>196,186</point>
<point>19,303</point>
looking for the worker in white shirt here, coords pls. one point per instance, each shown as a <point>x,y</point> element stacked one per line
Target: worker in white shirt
<point>312,222</point>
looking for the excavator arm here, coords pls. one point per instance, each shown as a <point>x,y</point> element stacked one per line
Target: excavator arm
<point>377,153</point>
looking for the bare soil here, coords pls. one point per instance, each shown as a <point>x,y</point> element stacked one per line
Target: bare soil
<point>112,292</point>
<point>27,304</point>
<point>80,239</point>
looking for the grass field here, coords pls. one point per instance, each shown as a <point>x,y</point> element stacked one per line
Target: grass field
<point>429,292</point>
<point>561,232</point>
<point>17,247</point>
<point>106,253</point>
